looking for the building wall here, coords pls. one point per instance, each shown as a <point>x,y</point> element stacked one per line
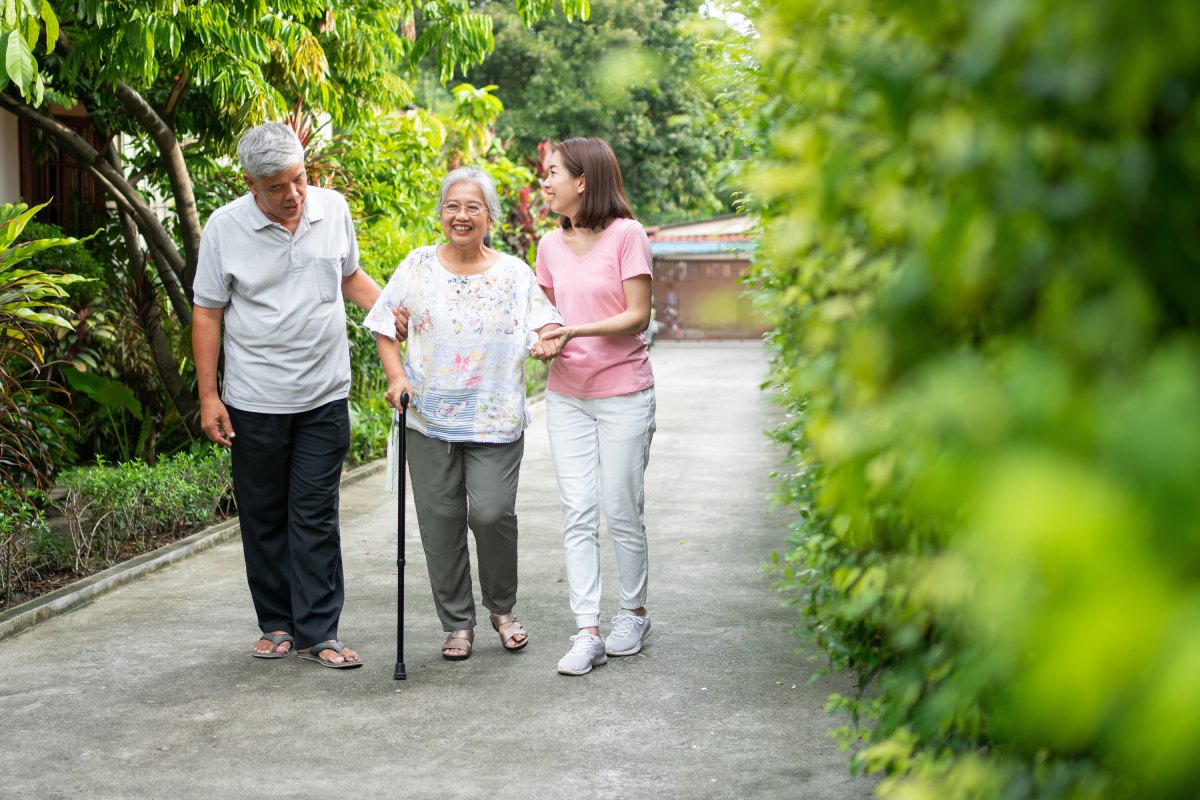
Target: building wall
<point>702,299</point>
<point>10,158</point>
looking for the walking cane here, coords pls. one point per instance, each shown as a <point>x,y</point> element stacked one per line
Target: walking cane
<point>400,459</point>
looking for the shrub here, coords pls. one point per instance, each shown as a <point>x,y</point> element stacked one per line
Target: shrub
<point>24,539</point>
<point>984,268</point>
<point>134,507</point>
<point>370,422</point>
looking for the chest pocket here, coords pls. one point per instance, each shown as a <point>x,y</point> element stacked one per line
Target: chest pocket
<point>329,275</point>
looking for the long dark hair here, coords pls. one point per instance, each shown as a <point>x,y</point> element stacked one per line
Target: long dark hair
<point>604,191</point>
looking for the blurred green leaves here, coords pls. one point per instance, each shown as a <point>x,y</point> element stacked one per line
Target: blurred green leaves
<point>983,262</point>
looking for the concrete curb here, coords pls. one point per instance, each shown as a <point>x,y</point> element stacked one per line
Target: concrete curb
<point>82,592</point>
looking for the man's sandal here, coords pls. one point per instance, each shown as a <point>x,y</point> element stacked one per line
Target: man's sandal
<point>458,640</point>
<point>508,628</point>
<point>335,646</point>
<point>275,639</point>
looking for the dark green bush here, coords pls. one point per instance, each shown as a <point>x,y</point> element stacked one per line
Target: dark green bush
<point>983,262</point>
<point>134,507</point>
<point>24,539</point>
<point>75,259</point>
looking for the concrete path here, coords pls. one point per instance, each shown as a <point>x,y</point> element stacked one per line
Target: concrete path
<point>149,691</point>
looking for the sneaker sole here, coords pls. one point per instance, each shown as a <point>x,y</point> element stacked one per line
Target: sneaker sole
<point>632,652</point>
<point>562,671</point>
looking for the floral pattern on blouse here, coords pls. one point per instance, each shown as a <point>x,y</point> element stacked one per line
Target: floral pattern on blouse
<point>469,336</point>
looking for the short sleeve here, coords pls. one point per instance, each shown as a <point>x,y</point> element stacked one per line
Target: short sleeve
<point>210,287</point>
<point>542,266</point>
<point>379,319</point>
<point>634,253</point>
<point>350,263</point>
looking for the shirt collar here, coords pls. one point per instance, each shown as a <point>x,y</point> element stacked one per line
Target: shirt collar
<point>312,211</point>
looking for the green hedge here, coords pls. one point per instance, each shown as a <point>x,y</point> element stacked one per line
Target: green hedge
<point>133,507</point>
<point>24,539</point>
<point>983,260</point>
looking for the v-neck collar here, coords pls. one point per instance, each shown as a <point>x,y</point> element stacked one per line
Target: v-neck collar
<point>612,224</point>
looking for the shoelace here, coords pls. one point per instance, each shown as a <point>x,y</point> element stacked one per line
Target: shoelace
<point>582,643</point>
<point>623,624</point>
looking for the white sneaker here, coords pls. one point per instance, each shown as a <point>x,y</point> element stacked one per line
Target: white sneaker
<point>587,651</point>
<point>628,633</point>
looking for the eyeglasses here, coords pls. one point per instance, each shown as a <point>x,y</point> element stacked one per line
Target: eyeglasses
<point>472,209</point>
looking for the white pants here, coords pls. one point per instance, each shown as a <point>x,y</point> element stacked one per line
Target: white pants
<point>600,448</point>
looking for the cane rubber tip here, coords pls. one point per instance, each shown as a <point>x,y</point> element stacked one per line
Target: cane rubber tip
<point>400,672</point>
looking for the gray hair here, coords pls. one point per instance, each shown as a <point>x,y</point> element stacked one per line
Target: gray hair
<point>480,178</point>
<point>269,150</point>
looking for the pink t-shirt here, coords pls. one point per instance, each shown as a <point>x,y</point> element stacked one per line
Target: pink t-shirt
<point>588,289</point>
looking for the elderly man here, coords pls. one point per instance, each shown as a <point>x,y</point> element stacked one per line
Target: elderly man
<point>274,267</point>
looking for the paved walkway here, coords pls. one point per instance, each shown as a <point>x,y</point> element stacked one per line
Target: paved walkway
<point>149,691</point>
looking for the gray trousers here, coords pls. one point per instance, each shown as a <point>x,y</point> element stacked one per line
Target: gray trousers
<point>460,485</point>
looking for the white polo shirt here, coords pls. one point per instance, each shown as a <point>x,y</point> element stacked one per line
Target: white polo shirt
<point>285,326</point>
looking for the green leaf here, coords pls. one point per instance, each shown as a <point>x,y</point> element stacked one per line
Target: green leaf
<point>18,60</point>
<point>43,317</point>
<point>108,393</point>
<point>13,219</point>
<point>33,30</point>
<point>51,20</point>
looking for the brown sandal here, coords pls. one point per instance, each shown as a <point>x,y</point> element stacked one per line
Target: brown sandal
<point>467,637</point>
<point>508,628</point>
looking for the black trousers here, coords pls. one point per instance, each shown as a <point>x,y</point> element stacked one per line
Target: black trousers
<point>286,475</point>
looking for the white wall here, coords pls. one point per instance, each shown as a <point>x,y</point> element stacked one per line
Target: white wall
<point>10,159</point>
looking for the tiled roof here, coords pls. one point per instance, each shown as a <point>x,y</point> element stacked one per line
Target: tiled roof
<point>730,228</point>
<point>727,237</point>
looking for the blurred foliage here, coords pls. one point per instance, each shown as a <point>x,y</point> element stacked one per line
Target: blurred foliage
<point>637,74</point>
<point>982,257</point>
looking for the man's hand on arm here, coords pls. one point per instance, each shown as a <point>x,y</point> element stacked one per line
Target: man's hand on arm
<point>401,316</point>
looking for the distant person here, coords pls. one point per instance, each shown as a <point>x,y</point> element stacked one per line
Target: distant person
<point>274,267</point>
<point>600,402</point>
<point>470,315</point>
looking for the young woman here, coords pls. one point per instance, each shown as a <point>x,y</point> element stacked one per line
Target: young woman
<point>474,312</point>
<point>600,392</point>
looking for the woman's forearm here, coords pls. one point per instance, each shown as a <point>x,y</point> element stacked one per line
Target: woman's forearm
<point>634,319</point>
<point>389,356</point>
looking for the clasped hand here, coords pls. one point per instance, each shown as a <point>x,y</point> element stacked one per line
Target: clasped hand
<point>550,342</point>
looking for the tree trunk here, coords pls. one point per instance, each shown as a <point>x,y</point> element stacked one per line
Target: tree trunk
<point>177,173</point>
<point>136,218</point>
<point>150,317</point>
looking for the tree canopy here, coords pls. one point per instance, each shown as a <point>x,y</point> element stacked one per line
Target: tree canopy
<point>178,82</point>
<point>637,75</point>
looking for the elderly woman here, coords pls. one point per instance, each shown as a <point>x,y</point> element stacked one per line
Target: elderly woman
<point>473,315</point>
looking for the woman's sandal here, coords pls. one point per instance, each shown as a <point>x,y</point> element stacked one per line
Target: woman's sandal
<point>508,628</point>
<point>466,638</point>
